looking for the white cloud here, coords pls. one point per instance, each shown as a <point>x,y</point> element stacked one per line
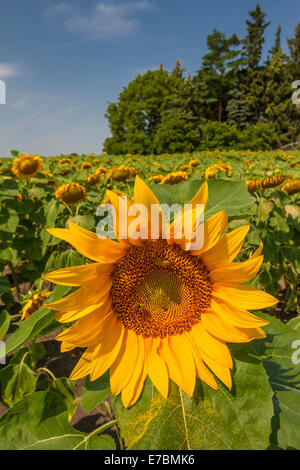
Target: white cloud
<point>104,20</point>
<point>8,70</point>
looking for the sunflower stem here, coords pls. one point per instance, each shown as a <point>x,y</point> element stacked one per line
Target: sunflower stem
<point>47,371</point>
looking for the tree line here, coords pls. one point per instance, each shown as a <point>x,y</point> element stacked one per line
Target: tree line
<point>232,101</point>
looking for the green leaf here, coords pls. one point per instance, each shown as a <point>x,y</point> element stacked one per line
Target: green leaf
<point>9,254</point>
<point>36,323</point>
<point>66,389</point>
<point>40,422</point>
<point>281,359</point>
<point>10,222</point>
<point>4,285</point>
<point>232,196</point>
<point>4,322</point>
<point>240,419</point>
<point>85,221</point>
<point>9,187</point>
<point>17,381</point>
<point>95,392</point>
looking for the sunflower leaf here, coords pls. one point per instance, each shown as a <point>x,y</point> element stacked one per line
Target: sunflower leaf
<point>95,392</point>
<point>232,196</point>
<point>40,422</point>
<point>36,323</point>
<point>219,420</point>
<point>281,359</point>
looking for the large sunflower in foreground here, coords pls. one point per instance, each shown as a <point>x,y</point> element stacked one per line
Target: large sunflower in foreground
<point>156,308</point>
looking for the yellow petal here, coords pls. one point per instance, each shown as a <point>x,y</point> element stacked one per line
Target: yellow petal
<point>129,393</point>
<point>82,368</point>
<point>136,391</point>
<point>108,349</point>
<point>78,275</point>
<point>89,244</point>
<point>213,347</point>
<point>243,297</point>
<point>86,331</point>
<point>202,372</point>
<point>157,369</point>
<point>201,196</point>
<point>258,251</point>
<point>237,272</point>
<point>189,217</point>
<point>143,195</point>
<point>72,315</point>
<point>222,372</point>
<point>214,229</point>
<point>237,317</point>
<point>85,296</point>
<point>180,362</point>
<point>225,331</point>
<point>122,369</point>
<point>226,249</point>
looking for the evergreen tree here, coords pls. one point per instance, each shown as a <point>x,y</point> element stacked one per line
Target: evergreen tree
<point>179,130</point>
<point>252,44</point>
<point>215,76</point>
<point>238,109</point>
<point>279,108</point>
<point>253,80</point>
<point>294,47</point>
<point>277,42</point>
<point>178,69</point>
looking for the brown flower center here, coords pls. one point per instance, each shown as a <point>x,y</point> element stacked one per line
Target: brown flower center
<point>28,166</point>
<point>158,289</point>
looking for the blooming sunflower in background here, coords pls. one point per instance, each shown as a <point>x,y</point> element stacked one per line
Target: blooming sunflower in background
<point>71,193</point>
<point>155,308</point>
<point>26,166</point>
<point>33,304</point>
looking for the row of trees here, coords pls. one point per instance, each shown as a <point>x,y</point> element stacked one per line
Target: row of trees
<point>233,100</point>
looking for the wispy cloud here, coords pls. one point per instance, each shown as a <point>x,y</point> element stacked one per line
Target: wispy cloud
<point>8,70</point>
<point>23,101</point>
<point>104,20</point>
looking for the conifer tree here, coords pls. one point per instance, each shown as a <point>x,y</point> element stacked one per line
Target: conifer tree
<point>279,108</point>
<point>218,69</point>
<point>252,44</point>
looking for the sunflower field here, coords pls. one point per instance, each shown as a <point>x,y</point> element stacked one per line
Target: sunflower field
<point>112,344</point>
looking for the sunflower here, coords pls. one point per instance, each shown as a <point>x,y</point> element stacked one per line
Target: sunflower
<point>71,193</point>
<point>26,166</point>
<point>254,185</point>
<point>121,173</point>
<point>85,165</point>
<point>94,179</point>
<point>33,304</point>
<point>156,178</point>
<point>194,163</point>
<point>174,177</point>
<point>155,307</point>
<point>291,187</point>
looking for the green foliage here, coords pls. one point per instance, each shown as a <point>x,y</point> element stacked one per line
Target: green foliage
<point>135,118</point>
<point>223,420</point>
<point>162,112</point>
<point>222,135</point>
<point>40,422</point>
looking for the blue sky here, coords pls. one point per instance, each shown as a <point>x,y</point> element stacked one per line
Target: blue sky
<point>63,61</point>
